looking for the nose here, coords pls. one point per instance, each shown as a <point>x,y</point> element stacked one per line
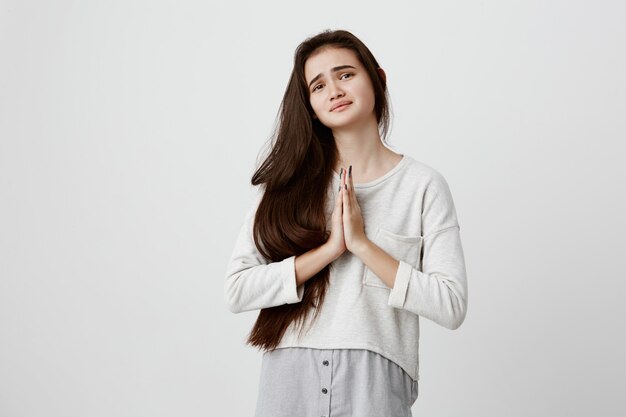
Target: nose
<point>335,90</point>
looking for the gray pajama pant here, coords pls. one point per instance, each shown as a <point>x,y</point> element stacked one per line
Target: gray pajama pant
<point>306,382</point>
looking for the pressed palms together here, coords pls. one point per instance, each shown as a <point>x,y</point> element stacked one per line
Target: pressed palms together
<point>348,231</point>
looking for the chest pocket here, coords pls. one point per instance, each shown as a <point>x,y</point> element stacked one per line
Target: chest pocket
<point>401,247</point>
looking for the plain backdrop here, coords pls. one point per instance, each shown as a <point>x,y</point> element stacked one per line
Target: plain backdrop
<point>129,131</point>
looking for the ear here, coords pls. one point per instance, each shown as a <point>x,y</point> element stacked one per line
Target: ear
<point>381,73</point>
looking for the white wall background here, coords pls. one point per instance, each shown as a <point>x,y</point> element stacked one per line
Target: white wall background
<point>128,134</point>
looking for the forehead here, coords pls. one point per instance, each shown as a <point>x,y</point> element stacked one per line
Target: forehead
<point>323,60</point>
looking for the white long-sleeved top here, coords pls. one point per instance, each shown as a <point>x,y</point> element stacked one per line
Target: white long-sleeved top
<point>409,213</point>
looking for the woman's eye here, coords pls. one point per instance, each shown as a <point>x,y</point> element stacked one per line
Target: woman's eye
<point>315,88</point>
<point>347,73</point>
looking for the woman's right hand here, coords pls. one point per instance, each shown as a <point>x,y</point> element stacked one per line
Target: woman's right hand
<point>336,243</point>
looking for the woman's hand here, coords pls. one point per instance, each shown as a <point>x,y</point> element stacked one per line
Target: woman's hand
<point>336,242</point>
<point>353,226</point>
<point>348,230</point>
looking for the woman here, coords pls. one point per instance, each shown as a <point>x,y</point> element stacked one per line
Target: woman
<point>347,246</point>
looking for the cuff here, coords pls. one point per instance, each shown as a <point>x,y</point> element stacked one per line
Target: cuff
<point>400,286</point>
<point>292,293</point>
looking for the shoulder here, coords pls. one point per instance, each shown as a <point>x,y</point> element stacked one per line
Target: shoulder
<point>254,200</point>
<point>437,204</point>
<point>429,177</point>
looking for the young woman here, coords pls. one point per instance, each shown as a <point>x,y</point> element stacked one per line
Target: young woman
<point>346,247</point>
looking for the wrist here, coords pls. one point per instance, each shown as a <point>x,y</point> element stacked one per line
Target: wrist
<point>361,248</point>
<point>330,252</point>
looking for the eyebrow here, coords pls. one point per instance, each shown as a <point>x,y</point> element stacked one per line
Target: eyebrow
<point>334,69</point>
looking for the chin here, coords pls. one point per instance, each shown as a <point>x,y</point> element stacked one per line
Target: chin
<point>345,123</point>
<point>342,123</point>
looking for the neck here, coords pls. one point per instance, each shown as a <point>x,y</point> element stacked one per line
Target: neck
<point>362,148</point>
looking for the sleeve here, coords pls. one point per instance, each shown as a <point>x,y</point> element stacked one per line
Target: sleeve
<point>439,290</point>
<point>253,283</point>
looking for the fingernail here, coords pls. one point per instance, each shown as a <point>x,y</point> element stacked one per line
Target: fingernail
<point>345,185</point>
<point>340,172</point>
<point>350,172</point>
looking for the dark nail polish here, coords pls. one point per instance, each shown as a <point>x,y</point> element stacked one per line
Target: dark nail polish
<point>346,185</point>
<point>340,172</point>
<point>350,172</point>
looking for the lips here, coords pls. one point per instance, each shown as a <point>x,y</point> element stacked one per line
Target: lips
<point>341,104</point>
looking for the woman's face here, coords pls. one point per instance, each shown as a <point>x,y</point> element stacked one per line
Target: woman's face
<point>335,76</point>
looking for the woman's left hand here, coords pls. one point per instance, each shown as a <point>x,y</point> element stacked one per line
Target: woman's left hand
<point>353,226</point>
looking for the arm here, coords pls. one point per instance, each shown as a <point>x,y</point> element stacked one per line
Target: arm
<point>380,262</point>
<point>253,283</point>
<point>439,290</point>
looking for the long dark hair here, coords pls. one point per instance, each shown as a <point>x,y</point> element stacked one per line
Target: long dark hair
<point>291,218</point>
